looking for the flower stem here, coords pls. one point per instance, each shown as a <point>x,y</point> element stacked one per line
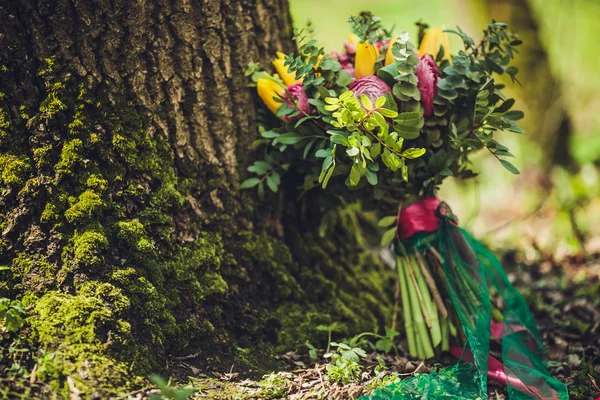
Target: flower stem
<point>436,333</point>
<point>406,310</point>
<point>432,286</point>
<point>445,335</point>
<point>418,293</point>
<point>422,335</point>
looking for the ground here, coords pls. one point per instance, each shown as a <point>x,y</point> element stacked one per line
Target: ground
<point>564,298</point>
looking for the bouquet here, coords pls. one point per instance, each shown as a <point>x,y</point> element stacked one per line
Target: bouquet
<point>388,120</point>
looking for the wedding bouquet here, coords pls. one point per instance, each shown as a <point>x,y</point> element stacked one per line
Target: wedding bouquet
<point>389,119</point>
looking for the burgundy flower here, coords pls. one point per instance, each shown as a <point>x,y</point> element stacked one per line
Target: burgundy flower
<point>297,94</point>
<point>371,86</point>
<point>428,76</point>
<point>346,61</point>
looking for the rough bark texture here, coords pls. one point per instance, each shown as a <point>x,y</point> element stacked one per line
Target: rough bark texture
<point>124,127</point>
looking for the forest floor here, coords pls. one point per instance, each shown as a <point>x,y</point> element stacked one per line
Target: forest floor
<point>564,296</point>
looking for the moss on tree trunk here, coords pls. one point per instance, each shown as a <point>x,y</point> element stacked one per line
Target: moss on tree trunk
<point>124,128</point>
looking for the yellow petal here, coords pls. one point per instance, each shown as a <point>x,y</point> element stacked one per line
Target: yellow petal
<point>389,57</point>
<point>287,77</point>
<point>353,39</point>
<point>433,39</point>
<point>364,61</point>
<point>268,89</point>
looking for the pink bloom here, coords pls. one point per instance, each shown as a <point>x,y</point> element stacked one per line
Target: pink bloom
<point>346,61</point>
<point>350,47</point>
<point>428,76</point>
<point>297,94</point>
<point>371,86</point>
<point>382,44</point>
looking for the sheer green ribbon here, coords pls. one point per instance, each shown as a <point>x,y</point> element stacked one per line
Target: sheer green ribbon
<point>468,267</point>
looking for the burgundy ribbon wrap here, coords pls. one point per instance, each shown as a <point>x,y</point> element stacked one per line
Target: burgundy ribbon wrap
<point>422,216</point>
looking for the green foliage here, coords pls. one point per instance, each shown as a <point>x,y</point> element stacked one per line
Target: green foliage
<point>169,392</point>
<point>13,169</point>
<point>274,385</point>
<point>368,27</point>
<point>344,367</point>
<point>12,315</point>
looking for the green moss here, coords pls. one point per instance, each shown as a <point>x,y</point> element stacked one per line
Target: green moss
<point>87,203</point>
<point>88,247</point>
<point>71,152</point>
<point>40,156</point>
<point>31,272</point>
<point>85,330</point>
<point>13,169</point>
<point>50,213</point>
<point>133,234</point>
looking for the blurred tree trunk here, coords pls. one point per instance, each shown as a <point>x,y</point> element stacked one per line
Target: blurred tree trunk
<point>123,128</point>
<point>548,121</point>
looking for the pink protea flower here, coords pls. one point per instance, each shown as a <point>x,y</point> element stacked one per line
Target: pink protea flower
<point>297,93</point>
<point>346,61</point>
<point>371,86</point>
<point>428,75</point>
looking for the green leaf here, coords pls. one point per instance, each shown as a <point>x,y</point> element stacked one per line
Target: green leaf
<point>412,153</point>
<point>371,177</point>
<point>387,221</point>
<point>261,191</point>
<point>343,79</point>
<point>249,183</point>
<point>448,94</point>
<point>352,151</point>
<point>407,132</point>
<point>388,236</point>
<point>354,175</point>
<point>511,168</point>
<point>307,148</point>
<point>514,115</point>
<point>384,345</point>
<point>338,138</point>
<point>380,102</point>
<point>366,102</point>
<point>272,183</point>
<point>388,113</point>
<point>409,119</point>
<point>375,150</point>
<point>269,134</point>
<point>346,95</point>
<point>505,106</point>
<point>289,138</point>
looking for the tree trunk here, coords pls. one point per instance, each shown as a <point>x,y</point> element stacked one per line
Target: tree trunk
<point>548,121</point>
<point>124,128</point>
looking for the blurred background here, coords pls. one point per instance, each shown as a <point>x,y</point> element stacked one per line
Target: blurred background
<point>553,206</point>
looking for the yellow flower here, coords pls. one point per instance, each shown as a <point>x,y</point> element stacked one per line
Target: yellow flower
<point>267,89</point>
<point>287,77</point>
<point>364,62</point>
<point>389,57</point>
<point>353,39</point>
<point>433,39</point>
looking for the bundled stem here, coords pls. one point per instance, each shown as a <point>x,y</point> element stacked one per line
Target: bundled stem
<point>436,333</point>
<point>408,324</point>
<point>426,318</point>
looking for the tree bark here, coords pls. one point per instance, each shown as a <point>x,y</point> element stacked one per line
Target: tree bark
<point>548,120</point>
<point>124,128</point>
